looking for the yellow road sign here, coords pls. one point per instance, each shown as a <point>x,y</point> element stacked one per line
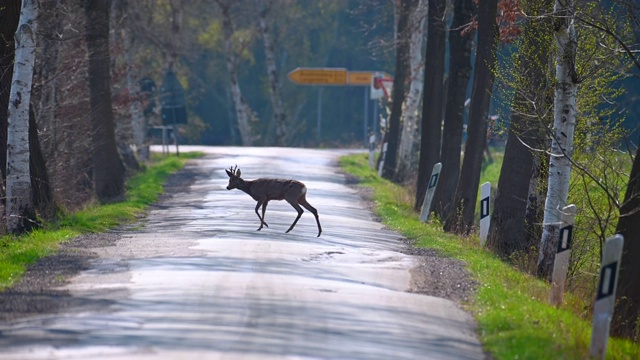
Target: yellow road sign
<point>319,76</point>
<point>363,78</point>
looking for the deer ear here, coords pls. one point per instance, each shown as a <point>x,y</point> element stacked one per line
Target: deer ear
<point>228,173</point>
<point>238,173</point>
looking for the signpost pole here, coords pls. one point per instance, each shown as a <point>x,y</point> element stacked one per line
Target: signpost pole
<point>319,124</point>
<point>366,114</point>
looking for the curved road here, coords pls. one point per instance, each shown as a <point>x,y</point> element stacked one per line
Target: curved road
<point>195,280</point>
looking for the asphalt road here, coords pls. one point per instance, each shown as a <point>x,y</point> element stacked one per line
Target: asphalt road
<point>195,280</point>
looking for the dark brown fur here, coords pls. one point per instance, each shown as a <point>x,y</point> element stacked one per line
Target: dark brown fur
<point>263,190</point>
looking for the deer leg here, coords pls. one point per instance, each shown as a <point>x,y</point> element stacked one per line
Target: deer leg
<point>298,209</point>
<point>264,208</point>
<point>303,201</point>
<point>260,203</point>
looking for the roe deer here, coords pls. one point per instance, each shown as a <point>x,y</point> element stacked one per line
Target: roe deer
<point>264,190</point>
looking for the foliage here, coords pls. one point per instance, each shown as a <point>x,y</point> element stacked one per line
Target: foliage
<point>142,189</point>
<point>600,171</point>
<point>599,174</point>
<point>511,307</point>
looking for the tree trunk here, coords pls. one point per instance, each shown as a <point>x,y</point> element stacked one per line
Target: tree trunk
<point>279,115</point>
<point>398,96</point>
<point>431,132</point>
<point>467,189</point>
<point>242,111</point>
<point>507,233</point>
<point>9,18</point>
<point>459,74</point>
<point>108,171</point>
<point>414,95</point>
<point>19,208</point>
<point>42,193</point>
<point>563,129</point>
<point>626,315</point>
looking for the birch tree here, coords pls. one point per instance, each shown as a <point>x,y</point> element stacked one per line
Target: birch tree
<point>279,115</point>
<point>414,95</point>
<point>562,132</point>
<point>243,112</point>
<point>19,208</point>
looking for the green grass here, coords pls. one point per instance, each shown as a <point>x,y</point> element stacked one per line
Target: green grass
<point>511,307</point>
<point>17,253</point>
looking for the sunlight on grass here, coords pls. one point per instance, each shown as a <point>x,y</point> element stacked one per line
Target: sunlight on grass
<point>16,253</point>
<point>514,318</point>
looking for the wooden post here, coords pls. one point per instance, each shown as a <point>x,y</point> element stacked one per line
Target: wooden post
<point>485,219</point>
<point>606,295</point>
<point>561,262</point>
<point>431,189</point>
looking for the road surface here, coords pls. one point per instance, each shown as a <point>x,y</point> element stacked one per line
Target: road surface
<point>195,280</point>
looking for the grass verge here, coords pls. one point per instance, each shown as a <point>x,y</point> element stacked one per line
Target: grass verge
<point>514,318</point>
<point>18,252</point>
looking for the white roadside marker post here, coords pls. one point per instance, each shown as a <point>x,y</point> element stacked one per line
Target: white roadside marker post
<point>561,262</point>
<point>485,219</point>
<point>372,149</point>
<point>431,189</point>
<point>384,155</point>
<point>606,296</point>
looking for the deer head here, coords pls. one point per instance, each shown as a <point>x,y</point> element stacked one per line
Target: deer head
<point>234,178</point>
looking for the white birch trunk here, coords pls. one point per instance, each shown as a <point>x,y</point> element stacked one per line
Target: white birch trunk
<point>563,130</point>
<point>279,115</point>
<point>414,96</point>
<point>19,204</point>
<point>242,111</point>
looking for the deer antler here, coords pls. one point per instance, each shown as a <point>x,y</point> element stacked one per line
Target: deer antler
<point>233,169</point>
